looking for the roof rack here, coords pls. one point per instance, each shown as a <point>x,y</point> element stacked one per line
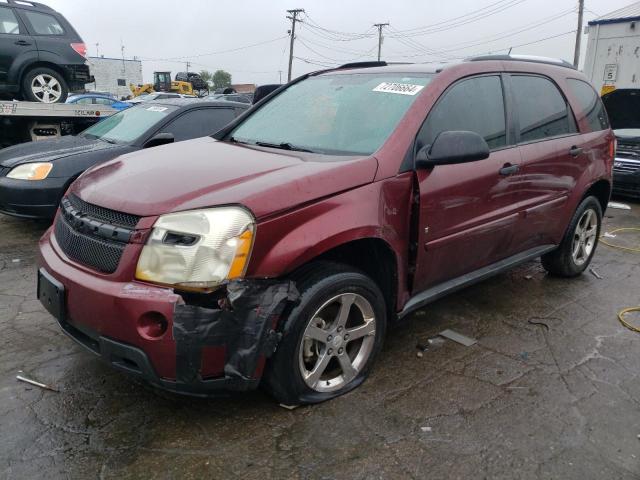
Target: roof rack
<point>524,58</point>
<point>27,3</point>
<point>369,64</point>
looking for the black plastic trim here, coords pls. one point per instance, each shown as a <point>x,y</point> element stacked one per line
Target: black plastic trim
<point>434,293</point>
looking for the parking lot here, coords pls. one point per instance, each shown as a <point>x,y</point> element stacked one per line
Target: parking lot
<point>557,398</point>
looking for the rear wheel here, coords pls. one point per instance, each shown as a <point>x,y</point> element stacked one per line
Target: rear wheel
<point>331,337</point>
<point>44,85</point>
<point>579,244</point>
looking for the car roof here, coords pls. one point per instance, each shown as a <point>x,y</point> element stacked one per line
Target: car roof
<point>432,68</point>
<point>186,103</point>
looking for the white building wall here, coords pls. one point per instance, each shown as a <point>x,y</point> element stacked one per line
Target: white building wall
<point>613,55</point>
<point>108,71</point>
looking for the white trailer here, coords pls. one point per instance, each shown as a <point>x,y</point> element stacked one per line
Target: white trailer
<point>613,50</point>
<point>28,121</point>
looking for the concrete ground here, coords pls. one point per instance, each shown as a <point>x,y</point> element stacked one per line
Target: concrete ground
<point>557,399</point>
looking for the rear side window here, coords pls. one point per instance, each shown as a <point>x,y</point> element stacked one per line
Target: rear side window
<point>591,105</point>
<point>44,24</point>
<point>475,105</point>
<point>199,123</point>
<point>542,110</point>
<point>8,22</point>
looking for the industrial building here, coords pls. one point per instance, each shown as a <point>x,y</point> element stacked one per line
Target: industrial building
<point>114,75</point>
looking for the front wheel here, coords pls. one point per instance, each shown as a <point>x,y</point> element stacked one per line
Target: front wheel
<point>579,244</point>
<point>44,85</point>
<point>330,339</point>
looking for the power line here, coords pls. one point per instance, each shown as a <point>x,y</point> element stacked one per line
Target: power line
<point>497,36</point>
<point>522,44</point>
<point>455,18</point>
<point>212,53</point>
<point>436,29</point>
<point>332,48</point>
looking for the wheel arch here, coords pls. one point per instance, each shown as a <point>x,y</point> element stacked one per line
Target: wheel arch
<point>601,189</point>
<point>371,255</point>
<point>42,64</point>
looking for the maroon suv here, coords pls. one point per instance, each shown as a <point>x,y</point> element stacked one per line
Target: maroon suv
<point>282,249</point>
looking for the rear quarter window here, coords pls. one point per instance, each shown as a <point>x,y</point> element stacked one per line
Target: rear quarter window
<point>590,104</point>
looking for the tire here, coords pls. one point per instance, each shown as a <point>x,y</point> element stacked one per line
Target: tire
<point>324,288</point>
<point>579,243</point>
<point>44,85</point>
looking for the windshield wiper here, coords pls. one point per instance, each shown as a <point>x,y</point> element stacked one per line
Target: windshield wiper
<point>284,146</point>
<point>112,142</point>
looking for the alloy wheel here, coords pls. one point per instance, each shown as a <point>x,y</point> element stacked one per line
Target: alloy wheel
<point>46,88</point>
<point>337,342</point>
<point>584,237</point>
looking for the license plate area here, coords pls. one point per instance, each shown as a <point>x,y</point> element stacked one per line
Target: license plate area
<point>51,294</point>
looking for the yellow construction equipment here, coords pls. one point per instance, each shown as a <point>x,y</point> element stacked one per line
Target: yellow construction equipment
<point>186,83</point>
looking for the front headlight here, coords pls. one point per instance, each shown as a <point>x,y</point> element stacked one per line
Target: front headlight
<point>198,249</point>
<point>31,171</point>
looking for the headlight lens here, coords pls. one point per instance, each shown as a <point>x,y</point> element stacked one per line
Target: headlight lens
<point>31,171</point>
<point>198,249</point>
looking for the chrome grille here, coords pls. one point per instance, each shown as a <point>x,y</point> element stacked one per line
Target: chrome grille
<point>626,166</point>
<point>627,149</point>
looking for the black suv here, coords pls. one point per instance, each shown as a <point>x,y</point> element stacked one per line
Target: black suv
<point>41,56</point>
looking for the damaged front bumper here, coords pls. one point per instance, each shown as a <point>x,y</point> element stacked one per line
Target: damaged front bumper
<point>203,351</point>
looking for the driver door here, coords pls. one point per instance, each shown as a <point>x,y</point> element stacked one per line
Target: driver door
<point>468,211</point>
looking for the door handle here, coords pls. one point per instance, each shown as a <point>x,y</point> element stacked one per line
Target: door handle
<point>575,151</point>
<point>509,169</point>
<point>23,43</point>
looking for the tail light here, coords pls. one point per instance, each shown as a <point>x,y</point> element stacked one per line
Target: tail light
<point>80,48</point>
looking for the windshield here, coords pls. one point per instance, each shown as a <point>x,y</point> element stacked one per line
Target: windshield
<point>128,125</point>
<point>350,114</point>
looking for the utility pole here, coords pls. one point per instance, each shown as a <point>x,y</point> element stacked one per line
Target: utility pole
<point>380,25</point>
<point>188,65</point>
<point>294,18</point>
<point>280,74</point>
<point>576,55</point>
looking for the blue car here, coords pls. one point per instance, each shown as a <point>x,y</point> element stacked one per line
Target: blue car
<point>97,99</point>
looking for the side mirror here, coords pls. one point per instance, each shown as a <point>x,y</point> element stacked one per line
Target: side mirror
<point>159,139</point>
<point>453,147</point>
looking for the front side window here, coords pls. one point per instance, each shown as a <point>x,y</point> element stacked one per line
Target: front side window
<point>541,109</point>
<point>84,101</point>
<point>590,103</point>
<point>338,113</point>
<point>44,24</point>
<point>129,125</point>
<point>474,105</point>
<point>8,22</point>
<point>199,123</point>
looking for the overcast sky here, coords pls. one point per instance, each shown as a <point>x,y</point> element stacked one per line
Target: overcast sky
<point>419,31</point>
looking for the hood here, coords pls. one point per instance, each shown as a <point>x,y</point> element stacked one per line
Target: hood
<point>623,107</point>
<point>205,172</point>
<point>628,134</point>
<point>51,150</point>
